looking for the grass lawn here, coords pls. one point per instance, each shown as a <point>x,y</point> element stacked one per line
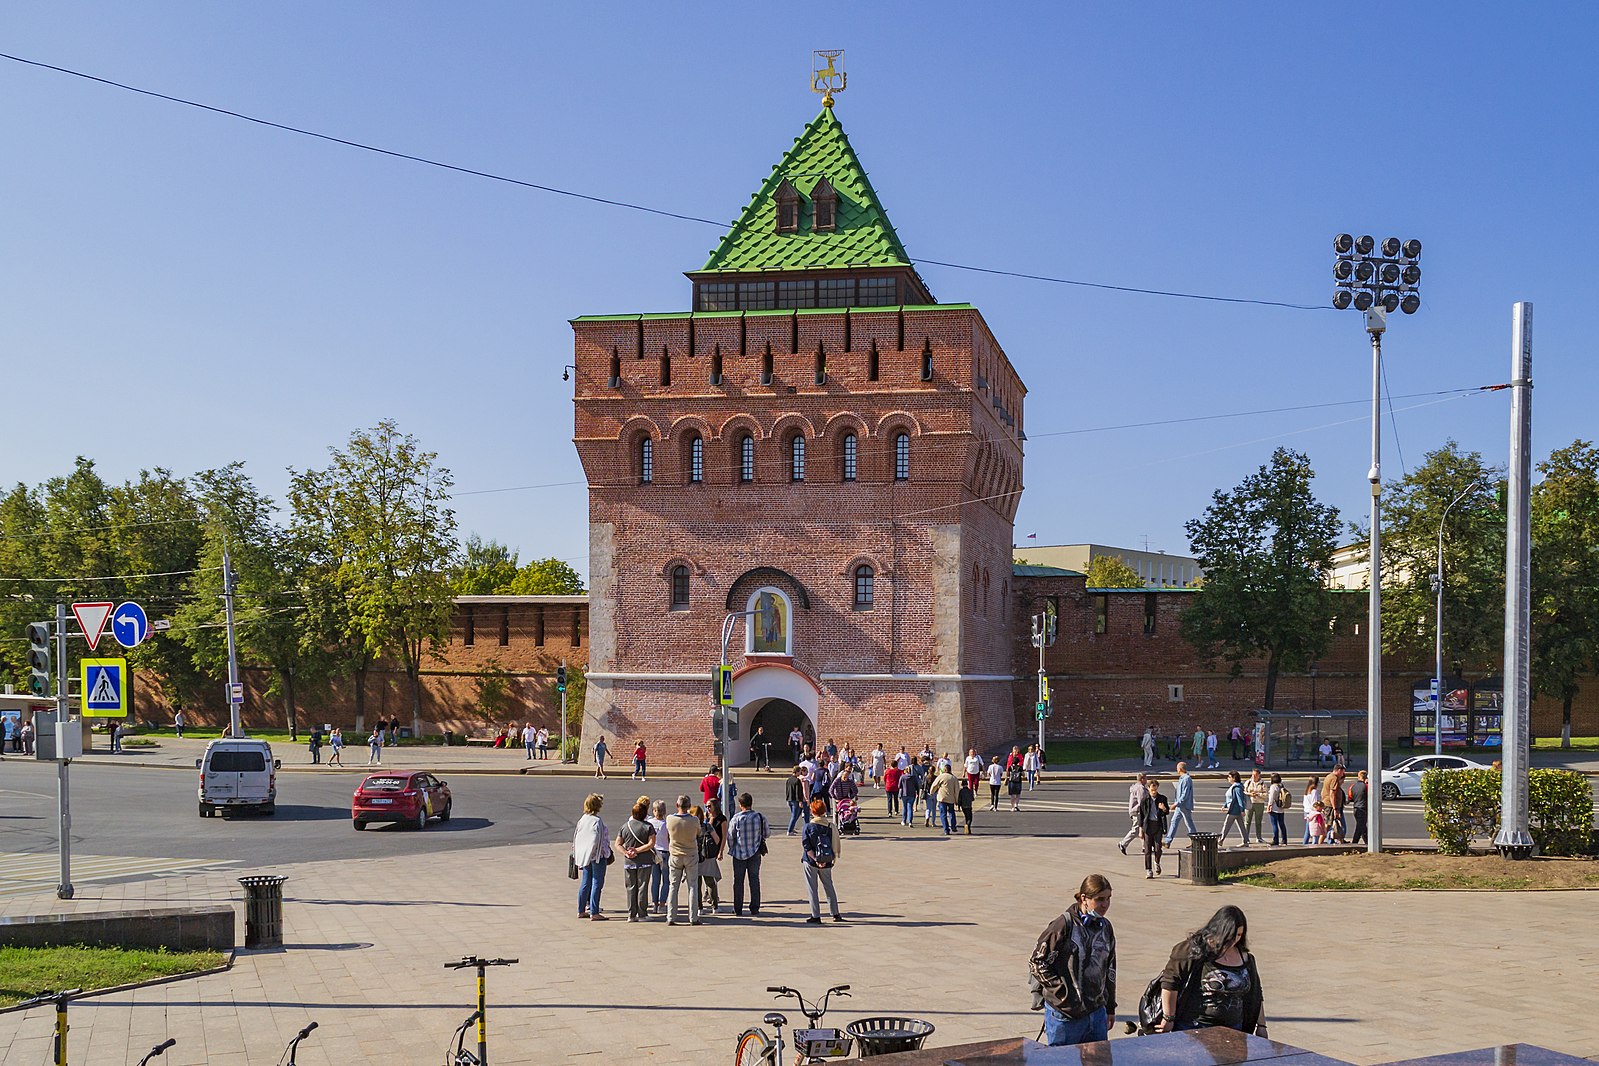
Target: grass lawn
<point>1407,872</point>
<point>1577,744</point>
<point>26,972</point>
<point>1058,753</point>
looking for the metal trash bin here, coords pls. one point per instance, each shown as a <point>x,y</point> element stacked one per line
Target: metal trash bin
<point>885,1036</point>
<point>1204,857</point>
<point>263,911</point>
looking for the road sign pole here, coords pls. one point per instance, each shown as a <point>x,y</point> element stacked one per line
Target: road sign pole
<point>233,657</point>
<point>63,792</point>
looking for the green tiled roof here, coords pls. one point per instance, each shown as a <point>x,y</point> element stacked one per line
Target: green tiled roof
<point>1032,570</point>
<point>863,237</point>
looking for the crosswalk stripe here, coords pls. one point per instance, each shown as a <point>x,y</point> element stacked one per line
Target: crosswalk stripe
<point>29,872</point>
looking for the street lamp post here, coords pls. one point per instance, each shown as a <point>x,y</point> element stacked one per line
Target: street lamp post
<point>1376,282</point>
<point>726,713</point>
<point>1438,630</point>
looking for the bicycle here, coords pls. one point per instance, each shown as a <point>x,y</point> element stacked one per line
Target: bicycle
<point>461,1056</point>
<point>157,1051</point>
<point>60,1000</point>
<point>812,1044</point>
<point>480,1016</point>
<point>289,1052</point>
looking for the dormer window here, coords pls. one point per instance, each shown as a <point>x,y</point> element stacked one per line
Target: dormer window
<point>788,201</point>
<point>824,207</point>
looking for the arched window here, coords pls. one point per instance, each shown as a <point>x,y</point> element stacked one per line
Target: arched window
<point>746,458</point>
<point>696,460</point>
<point>849,457</point>
<point>796,469</point>
<point>646,461</point>
<point>902,457</point>
<point>865,577</point>
<point>680,588</point>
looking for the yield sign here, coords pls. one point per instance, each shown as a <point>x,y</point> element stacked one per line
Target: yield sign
<point>92,619</point>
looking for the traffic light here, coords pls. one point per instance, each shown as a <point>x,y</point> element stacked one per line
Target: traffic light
<point>560,679</point>
<point>39,658</point>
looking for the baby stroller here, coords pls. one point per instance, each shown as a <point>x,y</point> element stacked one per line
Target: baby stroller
<point>849,817</point>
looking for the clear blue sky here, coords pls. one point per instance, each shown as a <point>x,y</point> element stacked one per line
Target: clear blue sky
<point>205,290</point>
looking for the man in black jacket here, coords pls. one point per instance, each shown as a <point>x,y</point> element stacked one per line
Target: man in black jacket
<point>1074,964</point>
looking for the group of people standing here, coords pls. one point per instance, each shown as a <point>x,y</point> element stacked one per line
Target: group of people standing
<point>1246,805</point>
<point>16,735</point>
<point>666,854</point>
<point>1204,744</point>
<point>1210,978</point>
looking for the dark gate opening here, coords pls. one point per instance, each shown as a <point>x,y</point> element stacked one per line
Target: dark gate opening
<point>778,718</point>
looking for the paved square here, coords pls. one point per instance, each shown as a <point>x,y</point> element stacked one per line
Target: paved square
<point>940,929</point>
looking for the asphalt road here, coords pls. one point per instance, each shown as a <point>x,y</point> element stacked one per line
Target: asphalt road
<point>137,811</point>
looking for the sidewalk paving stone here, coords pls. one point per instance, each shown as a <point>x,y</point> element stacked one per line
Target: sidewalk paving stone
<point>940,929</point>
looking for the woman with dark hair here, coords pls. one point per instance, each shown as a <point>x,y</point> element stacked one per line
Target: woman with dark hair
<point>1211,979</point>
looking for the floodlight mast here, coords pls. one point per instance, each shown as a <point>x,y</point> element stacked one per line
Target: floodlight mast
<point>1376,281</point>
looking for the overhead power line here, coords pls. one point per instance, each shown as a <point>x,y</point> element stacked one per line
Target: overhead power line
<point>611,201</point>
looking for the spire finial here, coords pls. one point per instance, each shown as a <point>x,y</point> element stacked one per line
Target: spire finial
<point>829,78</point>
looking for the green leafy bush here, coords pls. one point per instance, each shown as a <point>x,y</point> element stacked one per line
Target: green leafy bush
<point>1560,806</point>
<point>1463,805</point>
<point>1460,806</point>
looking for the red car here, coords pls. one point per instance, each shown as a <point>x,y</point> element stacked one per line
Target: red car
<point>410,797</point>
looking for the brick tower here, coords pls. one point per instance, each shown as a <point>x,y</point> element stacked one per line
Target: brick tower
<point>819,451</point>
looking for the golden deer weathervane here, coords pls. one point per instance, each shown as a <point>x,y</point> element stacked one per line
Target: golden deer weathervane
<point>828,79</point>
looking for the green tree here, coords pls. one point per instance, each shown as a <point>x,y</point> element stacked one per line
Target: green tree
<point>270,564</point>
<point>1474,561</point>
<point>1109,572</point>
<point>544,577</point>
<point>1264,548</point>
<point>1565,576</point>
<point>487,567</point>
<point>386,543</point>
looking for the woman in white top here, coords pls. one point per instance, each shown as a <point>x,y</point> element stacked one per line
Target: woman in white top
<point>1276,810</point>
<point>657,820</point>
<point>879,764</point>
<point>590,846</point>
<point>1311,798</point>
<point>1030,767</point>
<point>996,778</point>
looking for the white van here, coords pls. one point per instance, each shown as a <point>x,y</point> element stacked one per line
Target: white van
<point>238,774</point>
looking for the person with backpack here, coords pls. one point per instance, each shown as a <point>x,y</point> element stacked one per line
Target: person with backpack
<point>1152,815</point>
<point>1236,804</point>
<point>798,793</point>
<point>910,786</point>
<point>1211,979</point>
<point>819,854</point>
<point>1277,800</point>
<point>1014,777</point>
<point>964,800</point>
<point>1074,966</point>
<point>891,775</point>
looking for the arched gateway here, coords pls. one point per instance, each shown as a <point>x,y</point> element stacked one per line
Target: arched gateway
<point>778,698</point>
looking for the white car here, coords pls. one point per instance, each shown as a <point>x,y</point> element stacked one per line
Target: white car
<point>1404,779</point>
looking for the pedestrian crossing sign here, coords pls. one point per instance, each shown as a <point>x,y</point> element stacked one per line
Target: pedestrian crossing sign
<point>103,688</point>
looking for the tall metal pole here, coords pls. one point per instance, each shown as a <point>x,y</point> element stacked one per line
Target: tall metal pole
<point>64,889</point>
<point>1043,701</point>
<point>563,717</point>
<point>1438,631</point>
<point>233,658</point>
<point>1513,839</point>
<point>1376,323</point>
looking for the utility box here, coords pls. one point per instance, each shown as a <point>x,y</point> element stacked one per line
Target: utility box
<point>69,739</point>
<point>44,736</point>
<point>54,740</point>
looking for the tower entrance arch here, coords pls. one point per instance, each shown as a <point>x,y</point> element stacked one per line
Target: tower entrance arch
<point>776,698</point>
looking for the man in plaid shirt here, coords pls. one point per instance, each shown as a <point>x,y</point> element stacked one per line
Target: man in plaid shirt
<point>746,843</point>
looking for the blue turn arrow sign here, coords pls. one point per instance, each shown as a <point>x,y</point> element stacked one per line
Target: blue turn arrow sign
<point>129,624</point>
